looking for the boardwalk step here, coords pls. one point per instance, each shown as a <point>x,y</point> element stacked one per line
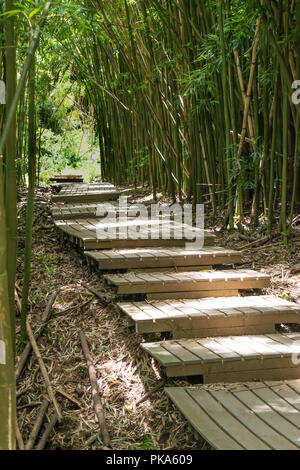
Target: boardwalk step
<point>87,188</point>
<point>144,283</point>
<point>230,359</point>
<point>250,416</point>
<point>91,195</point>
<point>83,232</point>
<point>85,210</point>
<point>78,210</point>
<point>211,317</point>
<point>67,179</point>
<point>162,257</point>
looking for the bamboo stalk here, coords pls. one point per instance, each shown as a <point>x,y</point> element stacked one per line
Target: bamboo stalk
<point>37,425</point>
<point>95,392</point>
<point>43,371</point>
<point>39,330</point>
<point>48,429</point>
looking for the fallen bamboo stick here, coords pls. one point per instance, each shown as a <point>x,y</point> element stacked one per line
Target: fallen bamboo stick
<point>37,425</point>
<point>69,397</point>
<point>99,296</point>
<point>32,404</point>
<point>19,437</point>
<point>18,302</point>
<point>259,242</point>
<point>95,392</point>
<point>148,394</point>
<point>44,438</point>
<point>70,309</point>
<point>43,370</point>
<point>27,350</point>
<point>91,441</point>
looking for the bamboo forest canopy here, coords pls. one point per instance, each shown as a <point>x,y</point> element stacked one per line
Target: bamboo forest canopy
<point>193,97</point>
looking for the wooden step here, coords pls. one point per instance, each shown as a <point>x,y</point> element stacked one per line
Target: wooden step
<point>211,317</point>
<point>159,257</point>
<point>230,359</point>
<point>139,283</point>
<point>195,295</point>
<point>78,211</point>
<point>87,188</point>
<point>250,416</point>
<point>99,195</point>
<point>66,181</point>
<point>83,232</point>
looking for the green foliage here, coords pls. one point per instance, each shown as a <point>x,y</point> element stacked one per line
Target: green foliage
<point>146,444</point>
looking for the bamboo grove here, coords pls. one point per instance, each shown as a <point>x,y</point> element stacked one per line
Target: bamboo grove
<point>197,99</point>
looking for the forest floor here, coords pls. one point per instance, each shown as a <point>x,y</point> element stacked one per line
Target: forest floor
<point>125,371</point>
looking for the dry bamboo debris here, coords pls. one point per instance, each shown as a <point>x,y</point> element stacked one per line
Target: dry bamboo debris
<point>19,437</point>
<point>37,425</point>
<point>70,309</point>
<point>44,438</point>
<point>260,242</point>
<point>31,404</point>
<point>27,350</point>
<point>103,298</point>
<point>18,301</point>
<point>43,370</point>
<point>95,392</point>
<point>69,397</point>
<point>148,394</point>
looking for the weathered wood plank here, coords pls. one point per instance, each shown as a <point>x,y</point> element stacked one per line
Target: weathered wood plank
<point>161,257</point>
<point>249,416</point>
<point>90,196</point>
<point>234,358</point>
<point>207,281</point>
<point>88,232</point>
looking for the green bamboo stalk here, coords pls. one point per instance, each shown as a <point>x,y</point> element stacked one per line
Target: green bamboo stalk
<point>30,201</point>
<point>7,374</point>
<point>10,170</point>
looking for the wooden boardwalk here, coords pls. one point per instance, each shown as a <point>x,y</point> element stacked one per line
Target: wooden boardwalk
<point>160,257</point>
<point>250,416</point>
<point>87,187</point>
<point>83,232</point>
<point>87,193</point>
<point>230,358</point>
<point>67,179</point>
<point>62,211</point>
<point>211,317</point>
<point>170,283</point>
<point>219,336</point>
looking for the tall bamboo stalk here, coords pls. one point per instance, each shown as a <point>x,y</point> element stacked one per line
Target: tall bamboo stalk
<point>7,375</point>
<point>10,170</point>
<point>30,199</point>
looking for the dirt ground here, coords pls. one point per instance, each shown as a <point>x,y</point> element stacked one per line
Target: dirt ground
<point>125,372</point>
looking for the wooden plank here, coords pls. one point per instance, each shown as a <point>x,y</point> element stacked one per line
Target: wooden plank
<point>192,294</point>
<point>251,415</point>
<point>201,421</point>
<point>187,282</point>
<point>234,359</point>
<point>236,419</point>
<point>91,196</point>
<point>161,257</point>
<point>87,232</point>
<point>272,418</point>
